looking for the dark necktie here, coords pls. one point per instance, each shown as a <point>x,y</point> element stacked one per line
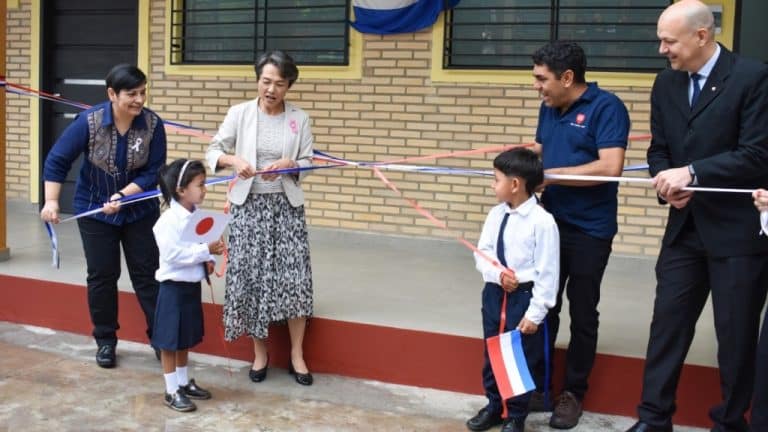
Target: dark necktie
<point>696,88</point>
<point>500,241</point>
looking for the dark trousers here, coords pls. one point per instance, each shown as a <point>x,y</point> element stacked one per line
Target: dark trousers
<point>101,244</point>
<point>760,401</point>
<point>533,345</point>
<point>583,259</point>
<point>685,276</point>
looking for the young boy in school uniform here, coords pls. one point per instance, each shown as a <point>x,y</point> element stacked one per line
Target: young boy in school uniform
<point>524,238</point>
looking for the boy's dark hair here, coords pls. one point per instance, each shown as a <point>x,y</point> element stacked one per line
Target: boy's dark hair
<point>125,77</point>
<point>168,177</point>
<point>282,61</point>
<point>559,56</point>
<point>521,162</point>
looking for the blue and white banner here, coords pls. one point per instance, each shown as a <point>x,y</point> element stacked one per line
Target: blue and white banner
<point>397,16</point>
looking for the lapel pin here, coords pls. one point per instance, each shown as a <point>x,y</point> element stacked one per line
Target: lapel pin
<point>714,88</point>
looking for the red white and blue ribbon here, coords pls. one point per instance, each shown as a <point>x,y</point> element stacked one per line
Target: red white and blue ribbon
<point>402,165</point>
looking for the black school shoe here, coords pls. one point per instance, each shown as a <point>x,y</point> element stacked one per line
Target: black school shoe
<point>193,391</point>
<point>179,402</point>
<point>105,356</point>
<point>484,420</point>
<point>513,425</point>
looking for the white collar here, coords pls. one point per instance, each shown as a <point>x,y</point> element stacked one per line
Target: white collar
<point>525,208</point>
<point>179,210</point>
<point>706,70</point>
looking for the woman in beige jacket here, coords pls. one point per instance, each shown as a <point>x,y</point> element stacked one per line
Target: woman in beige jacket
<point>269,276</point>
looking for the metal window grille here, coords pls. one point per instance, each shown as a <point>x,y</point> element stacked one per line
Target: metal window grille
<point>617,35</point>
<point>313,32</point>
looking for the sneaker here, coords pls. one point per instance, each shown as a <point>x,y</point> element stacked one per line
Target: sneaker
<point>539,403</point>
<point>179,402</point>
<point>105,356</point>
<point>567,411</point>
<point>194,392</point>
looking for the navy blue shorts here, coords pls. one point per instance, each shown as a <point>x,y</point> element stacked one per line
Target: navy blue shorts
<point>178,316</point>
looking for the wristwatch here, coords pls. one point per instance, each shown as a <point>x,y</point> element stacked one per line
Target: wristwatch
<point>692,172</point>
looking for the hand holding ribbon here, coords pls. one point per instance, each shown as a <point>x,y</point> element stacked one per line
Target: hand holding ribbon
<point>761,202</point>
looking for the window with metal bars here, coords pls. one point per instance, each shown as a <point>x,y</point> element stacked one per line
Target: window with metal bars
<point>313,32</point>
<point>617,35</point>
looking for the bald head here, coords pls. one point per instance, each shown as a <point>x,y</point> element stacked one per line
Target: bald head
<point>686,31</point>
<point>693,15</point>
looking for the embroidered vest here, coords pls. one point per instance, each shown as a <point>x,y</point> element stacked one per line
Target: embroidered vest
<point>102,142</point>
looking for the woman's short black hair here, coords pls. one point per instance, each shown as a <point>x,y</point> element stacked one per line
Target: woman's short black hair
<point>125,77</point>
<point>168,177</point>
<point>559,56</point>
<point>521,162</point>
<point>282,61</point>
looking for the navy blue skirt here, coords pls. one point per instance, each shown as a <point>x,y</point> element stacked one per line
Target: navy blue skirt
<point>178,316</point>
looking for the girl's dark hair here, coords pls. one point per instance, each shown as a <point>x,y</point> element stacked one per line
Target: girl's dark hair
<point>168,177</point>
<point>521,162</point>
<point>125,77</point>
<point>282,61</point>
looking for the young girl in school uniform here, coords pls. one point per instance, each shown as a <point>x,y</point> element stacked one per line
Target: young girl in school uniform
<point>179,314</point>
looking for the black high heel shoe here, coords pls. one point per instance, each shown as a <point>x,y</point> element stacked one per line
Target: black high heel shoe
<point>260,375</point>
<point>301,378</point>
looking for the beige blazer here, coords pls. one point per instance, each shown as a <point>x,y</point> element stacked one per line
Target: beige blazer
<point>238,135</point>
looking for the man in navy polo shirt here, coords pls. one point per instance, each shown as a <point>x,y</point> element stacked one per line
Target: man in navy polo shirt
<point>582,130</point>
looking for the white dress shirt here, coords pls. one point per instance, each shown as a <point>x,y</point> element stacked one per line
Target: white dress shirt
<point>179,261</point>
<point>704,72</point>
<point>531,248</point>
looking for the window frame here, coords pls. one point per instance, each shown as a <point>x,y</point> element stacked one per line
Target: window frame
<point>353,70</point>
<point>556,13</point>
<point>439,74</point>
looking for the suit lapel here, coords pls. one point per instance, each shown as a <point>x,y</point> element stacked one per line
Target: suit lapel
<point>290,128</point>
<point>679,94</point>
<point>715,83</point>
<point>252,151</point>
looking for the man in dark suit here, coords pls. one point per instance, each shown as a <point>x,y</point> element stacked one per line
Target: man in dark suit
<point>709,121</point>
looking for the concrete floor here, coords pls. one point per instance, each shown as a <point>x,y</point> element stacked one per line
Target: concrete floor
<point>49,381</point>
<point>403,282</point>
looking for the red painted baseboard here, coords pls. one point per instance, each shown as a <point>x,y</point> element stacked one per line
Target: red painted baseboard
<point>394,355</point>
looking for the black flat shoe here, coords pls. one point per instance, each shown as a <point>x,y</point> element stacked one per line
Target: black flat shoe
<point>259,375</point>
<point>301,378</point>
<point>105,356</point>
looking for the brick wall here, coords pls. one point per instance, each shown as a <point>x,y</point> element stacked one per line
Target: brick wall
<point>394,111</point>
<point>17,62</point>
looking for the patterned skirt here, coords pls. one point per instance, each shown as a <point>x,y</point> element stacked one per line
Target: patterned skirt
<point>269,276</point>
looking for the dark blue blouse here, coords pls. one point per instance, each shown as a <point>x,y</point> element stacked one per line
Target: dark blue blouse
<point>107,168</point>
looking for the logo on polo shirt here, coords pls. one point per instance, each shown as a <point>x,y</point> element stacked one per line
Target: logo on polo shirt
<point>580,118</point>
